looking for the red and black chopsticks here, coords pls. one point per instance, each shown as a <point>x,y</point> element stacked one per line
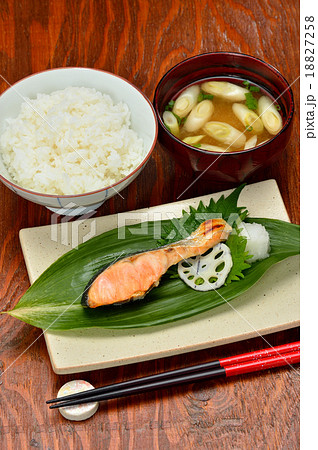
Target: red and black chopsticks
<point>235,365</point>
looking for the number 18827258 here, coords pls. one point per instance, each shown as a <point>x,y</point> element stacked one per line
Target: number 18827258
<point>309,46</point>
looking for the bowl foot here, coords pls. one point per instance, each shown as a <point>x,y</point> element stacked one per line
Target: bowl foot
<point>76,210</point>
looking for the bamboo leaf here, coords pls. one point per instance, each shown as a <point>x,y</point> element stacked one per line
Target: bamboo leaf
<point>53,301</point>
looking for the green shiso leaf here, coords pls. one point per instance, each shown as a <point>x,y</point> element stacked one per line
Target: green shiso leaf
<point>237,245</point>
<point>225,208</point>
<point>53,301</point>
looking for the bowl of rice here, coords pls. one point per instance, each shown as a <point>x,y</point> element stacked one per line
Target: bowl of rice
<point>70,138</point>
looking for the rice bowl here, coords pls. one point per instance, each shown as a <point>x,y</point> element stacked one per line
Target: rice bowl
<point>142,118</point>
<point>72,141</point>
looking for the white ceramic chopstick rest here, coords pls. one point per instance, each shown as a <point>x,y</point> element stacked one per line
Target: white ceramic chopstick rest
<point>78,412</point>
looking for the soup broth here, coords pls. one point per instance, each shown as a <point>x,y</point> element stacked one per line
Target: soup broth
<point>213,133</point>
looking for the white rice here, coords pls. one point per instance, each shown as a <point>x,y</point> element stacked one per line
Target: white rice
<point>70,142</point>
<point>258,242</point>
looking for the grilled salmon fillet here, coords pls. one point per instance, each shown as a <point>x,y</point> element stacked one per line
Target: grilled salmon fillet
<point>132,277</point>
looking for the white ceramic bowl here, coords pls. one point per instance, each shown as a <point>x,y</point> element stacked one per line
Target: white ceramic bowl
<point>143,121</point>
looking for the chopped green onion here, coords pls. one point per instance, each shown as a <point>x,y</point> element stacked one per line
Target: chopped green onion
<point>178,118</point>
<point>196,145</point>
<point>249,128</point>
<point>203,96</point>
<point>251,101</point>
<point>250,87</point>
<point>169,106</point>
<point>278,107</point>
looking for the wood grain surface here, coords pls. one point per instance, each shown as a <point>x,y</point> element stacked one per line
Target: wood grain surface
<point>141,40</point>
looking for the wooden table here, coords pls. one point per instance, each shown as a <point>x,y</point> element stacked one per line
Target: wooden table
<point>141,40</point>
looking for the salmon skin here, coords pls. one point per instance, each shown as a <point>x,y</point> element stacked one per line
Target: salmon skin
<point>130,278</point>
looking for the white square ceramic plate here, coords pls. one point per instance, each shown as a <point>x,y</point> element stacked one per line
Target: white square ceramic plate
<point>271,305</point>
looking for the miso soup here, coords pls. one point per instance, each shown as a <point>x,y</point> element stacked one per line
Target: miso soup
<point>223,115</point>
